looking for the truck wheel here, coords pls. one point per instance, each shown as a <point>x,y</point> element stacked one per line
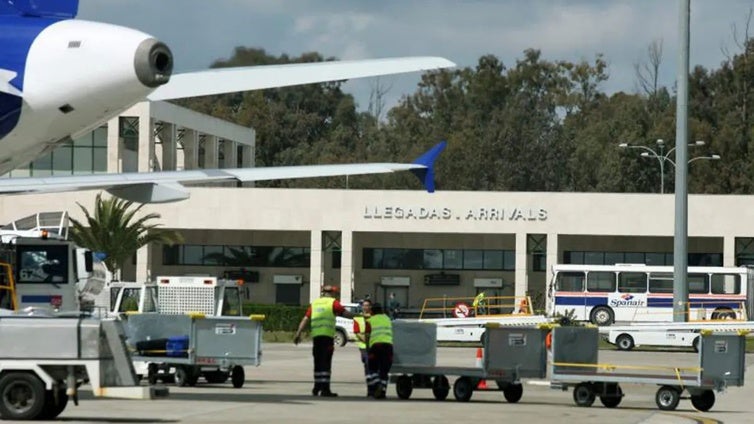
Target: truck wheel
<point>181,376</point>
<point>404,387</point>
<point>440,387</point>
<point>237,376</point>
<point>667,398</point>
<point>22,396</point>
<point>340,338</point>
<point>52,408</point>
<point>463,388</point>
<point>624,342</point>
<point>513,392</point>
<point>602,315</point>
<point>704,401</point>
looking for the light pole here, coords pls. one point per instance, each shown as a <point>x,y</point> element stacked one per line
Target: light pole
<point>663,156</point>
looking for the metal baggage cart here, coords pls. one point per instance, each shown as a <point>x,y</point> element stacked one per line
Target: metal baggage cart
<point>575,364</point>
<point>215,348</point>
<point>510,354</point>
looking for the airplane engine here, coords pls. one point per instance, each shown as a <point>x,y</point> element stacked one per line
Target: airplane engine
<point>77,73</point>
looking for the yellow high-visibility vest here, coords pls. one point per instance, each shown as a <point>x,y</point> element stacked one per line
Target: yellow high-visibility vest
<point>323,318</point>
<point>382,329</point>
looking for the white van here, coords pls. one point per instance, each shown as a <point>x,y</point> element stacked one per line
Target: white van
<point>344,326</point>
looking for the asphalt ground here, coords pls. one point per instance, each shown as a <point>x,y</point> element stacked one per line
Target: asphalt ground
<point>279,391</point>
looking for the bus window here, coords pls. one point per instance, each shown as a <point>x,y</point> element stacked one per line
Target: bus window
<point>114,297</point>
<point>570,281</point>
<point>698,284</point>
<point>726,284</point>
<point>600,281</point>
<point>660,282</point>
<point>632,282</point>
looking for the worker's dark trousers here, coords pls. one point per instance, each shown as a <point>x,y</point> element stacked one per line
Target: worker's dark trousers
<point>380,361</point>
<point>365,361</point>
<point>322,351</point>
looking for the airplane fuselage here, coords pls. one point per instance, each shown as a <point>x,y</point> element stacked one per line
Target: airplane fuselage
<point>70,77</point>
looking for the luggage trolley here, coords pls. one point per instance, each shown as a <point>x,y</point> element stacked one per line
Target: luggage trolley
<point>575,363</point>
<point>510,354</point>
<point>186,347</point>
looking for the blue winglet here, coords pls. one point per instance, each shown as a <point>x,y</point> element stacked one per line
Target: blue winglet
<point>427,175</point>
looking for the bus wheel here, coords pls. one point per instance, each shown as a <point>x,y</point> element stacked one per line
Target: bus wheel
<point>624,342</point>
<point>601,315</point>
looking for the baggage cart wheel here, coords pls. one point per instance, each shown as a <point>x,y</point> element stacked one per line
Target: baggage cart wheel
<point>237,376</point>
<point>513,392</point>
<point>54,407</point>
<point>667,398</point>
<point>22,396</point>
<point>463,388</point>
<point>624,342</point>
<point>703,401</point>
<point>612,397</point>
<point>440,387</point>
<point>696,343</point>
<point>404,387</point>
<point>181,377</point>
<point>152,374</point>
<point>583,395</point>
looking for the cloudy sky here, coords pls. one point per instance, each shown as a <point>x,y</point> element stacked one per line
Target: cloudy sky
<point>200,31</point>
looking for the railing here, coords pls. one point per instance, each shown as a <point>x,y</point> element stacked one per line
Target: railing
<point>467,307</point>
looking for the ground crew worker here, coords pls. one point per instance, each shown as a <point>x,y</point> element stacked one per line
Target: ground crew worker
<point>380,341</point>
<point>360,330</point>
<point>478,304</point>
<point>322,314</point>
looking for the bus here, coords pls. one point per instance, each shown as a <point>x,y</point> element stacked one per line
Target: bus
<point>604,294</point>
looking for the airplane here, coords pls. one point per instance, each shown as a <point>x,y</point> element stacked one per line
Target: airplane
<point>61,77</point>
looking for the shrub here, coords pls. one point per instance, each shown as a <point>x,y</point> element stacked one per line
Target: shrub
<point>277,317</point>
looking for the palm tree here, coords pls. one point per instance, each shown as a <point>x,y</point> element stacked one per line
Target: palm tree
<point>114,231</point>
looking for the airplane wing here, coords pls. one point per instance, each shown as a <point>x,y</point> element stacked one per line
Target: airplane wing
<point>230,80</point>
<point>167,186</point>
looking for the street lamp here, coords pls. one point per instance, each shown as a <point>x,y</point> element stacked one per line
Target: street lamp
<point>663,156</point>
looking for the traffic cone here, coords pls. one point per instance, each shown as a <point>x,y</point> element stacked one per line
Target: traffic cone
<point>480,364</point>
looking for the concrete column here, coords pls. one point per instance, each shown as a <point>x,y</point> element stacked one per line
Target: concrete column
<point>729,251</point>
<point>347,285</point>
<point>190,141</point>
<point>522,283</point>
<point>552,259</point>
<point>113,145</point>
<point>230,154</point>
<point>146,143</point>
<point>247,161</point>
<point>143,264</point>
<point>210,152</point>
<point>315,265</point>
<point>168,136</point>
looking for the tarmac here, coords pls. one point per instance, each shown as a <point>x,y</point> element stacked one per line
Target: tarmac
<point>279,391</point>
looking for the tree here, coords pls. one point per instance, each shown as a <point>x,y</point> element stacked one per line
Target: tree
<point>115,230</point>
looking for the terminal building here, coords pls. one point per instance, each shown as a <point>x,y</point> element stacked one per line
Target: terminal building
<point>286,243</point>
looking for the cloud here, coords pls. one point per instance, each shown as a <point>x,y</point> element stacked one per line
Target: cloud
<point>200,32</point>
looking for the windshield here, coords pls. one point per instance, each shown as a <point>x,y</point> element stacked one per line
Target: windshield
<point>231,302</point>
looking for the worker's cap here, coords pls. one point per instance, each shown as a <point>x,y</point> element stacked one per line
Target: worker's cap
<point>330,289</point>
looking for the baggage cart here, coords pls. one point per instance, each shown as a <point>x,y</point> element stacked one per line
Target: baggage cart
<point>59,354</point>
<point>575,364</point>
<point>510,354</point>
<point>186,347</point>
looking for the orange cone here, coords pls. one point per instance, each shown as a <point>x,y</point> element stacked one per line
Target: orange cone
<point>480,364</point>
